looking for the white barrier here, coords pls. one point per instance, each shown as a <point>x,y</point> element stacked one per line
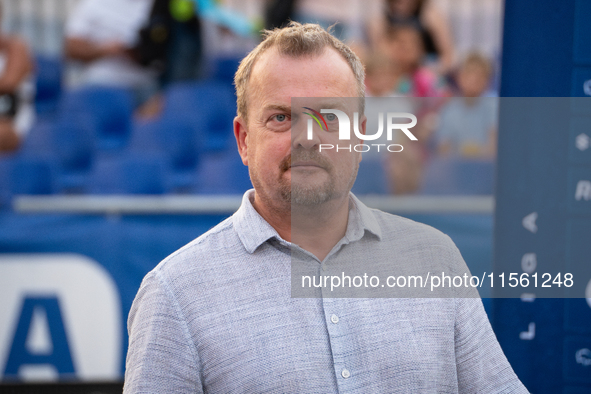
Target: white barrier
<point>119,205</point>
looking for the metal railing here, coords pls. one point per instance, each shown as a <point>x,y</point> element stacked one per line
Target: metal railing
<point>227,204</point>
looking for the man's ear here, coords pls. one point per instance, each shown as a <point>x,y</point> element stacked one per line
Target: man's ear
<point>240,132</point>
<point>362,130</point>
<point>363,126</point>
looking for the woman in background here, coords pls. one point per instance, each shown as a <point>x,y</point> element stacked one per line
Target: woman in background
<point>427,20</point>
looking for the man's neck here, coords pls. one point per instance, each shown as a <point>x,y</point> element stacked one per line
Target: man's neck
<point>316,229</point>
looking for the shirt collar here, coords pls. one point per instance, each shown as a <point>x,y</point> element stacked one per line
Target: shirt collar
<point>361,218</point>
<point>253,230</point>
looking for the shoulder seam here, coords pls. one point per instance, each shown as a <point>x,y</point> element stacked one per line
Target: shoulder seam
<point>223,226</point>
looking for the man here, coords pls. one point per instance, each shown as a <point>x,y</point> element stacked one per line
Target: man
<point>217,316</point>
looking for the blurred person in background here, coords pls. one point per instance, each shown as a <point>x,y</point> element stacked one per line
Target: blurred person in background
<point>347,16</point>
<point>404,169</point>
<point>170,41</point>
<point>381,75</point>
<point>325,13</point>
<point>406,50</point>
<point>100,35</point>
<point>468,123</point>
<point>16,91</point>
<point>278,13</point>
<point>431,24</point>
<point>143,45</point>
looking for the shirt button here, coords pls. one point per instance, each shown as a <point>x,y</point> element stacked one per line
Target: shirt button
<point>334,319</point>
<point>345,373</point>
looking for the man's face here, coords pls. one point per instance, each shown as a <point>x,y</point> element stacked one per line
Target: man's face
<point>285,167</point>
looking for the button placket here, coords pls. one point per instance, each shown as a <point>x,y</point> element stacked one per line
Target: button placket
<point>335,334</point>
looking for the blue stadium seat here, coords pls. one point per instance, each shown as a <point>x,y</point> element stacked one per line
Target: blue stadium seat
<point>476,176</point>
<point>458,176</point>
<point>38,141</point>
<point>224,68</point>
<point>179,142</point>
<point>108,111</point>
<point>48,82</point>
<point>438,177</point>
<point>223,173</point>
<point>30,175</point>
<point>73,144</point>
<point>146,136</point>
<point>129,174</point>
<point>209,107</point>
<point>371,178</point>
<point>73,148</point>
<point>69,144</point>
<point>5,194</point>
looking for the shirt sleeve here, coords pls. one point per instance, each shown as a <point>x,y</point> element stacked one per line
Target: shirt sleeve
<point>162,357</point>
<point>481,364</point>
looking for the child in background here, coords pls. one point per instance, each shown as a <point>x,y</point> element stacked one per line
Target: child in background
<point>467,125</point>
<point>414,80</point>
<point>405,48</point>
<point>381,76</point>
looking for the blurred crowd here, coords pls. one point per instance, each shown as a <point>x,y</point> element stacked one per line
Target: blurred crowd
<point>145,46</point>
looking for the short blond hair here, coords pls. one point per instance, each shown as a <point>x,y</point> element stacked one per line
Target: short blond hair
<point>476,59</point>
<point>295,40</point>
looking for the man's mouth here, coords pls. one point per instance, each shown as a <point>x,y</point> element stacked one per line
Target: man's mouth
<point>303,160</point>
<point>306,164</point>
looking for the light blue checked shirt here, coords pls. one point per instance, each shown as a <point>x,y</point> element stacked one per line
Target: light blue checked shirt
<point>217,316</point>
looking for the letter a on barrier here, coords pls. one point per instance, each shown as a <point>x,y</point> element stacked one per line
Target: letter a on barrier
<point>56,354</point>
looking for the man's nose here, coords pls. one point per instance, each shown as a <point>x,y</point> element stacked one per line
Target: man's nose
<point>306,137</point>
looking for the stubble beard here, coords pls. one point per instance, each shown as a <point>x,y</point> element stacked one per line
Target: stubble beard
<point>298,192</point>
<point>303,195</point>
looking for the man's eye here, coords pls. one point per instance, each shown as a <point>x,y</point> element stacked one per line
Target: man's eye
<point>280,118</point>
<point>330,117</point>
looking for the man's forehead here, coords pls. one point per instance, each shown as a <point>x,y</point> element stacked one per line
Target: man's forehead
<point>302,104</point>
<point>273,61</point>
<point>274,71</point>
